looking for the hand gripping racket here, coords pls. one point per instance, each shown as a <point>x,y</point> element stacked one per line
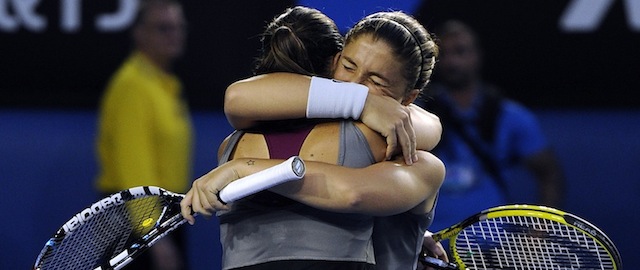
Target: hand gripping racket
<point>113,231</point>
<point>526,237</point>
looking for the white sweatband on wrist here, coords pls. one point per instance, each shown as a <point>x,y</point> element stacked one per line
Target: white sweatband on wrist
<point>333,99</point>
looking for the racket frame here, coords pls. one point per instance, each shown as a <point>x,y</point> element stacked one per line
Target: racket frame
<point>542,212</point>
<point>291,169</point>
<point>163,225</point>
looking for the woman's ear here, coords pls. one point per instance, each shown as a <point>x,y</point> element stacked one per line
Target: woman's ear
<point>410,97</point>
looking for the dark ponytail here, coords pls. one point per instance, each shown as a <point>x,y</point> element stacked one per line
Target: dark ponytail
<point>301,40</point>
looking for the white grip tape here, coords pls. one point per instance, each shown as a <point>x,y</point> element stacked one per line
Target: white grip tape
<point>333,99</point>
<point>291,169</point>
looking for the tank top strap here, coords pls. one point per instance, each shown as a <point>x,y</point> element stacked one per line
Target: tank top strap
<point>231,144</point>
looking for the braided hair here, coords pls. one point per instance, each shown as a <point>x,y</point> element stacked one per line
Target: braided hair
<point>413,45</point>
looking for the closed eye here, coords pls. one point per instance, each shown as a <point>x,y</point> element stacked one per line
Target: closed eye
<point>376,83</point>
<point>348,67</point>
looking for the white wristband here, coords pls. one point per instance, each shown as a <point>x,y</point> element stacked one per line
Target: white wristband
<point>333,99</point>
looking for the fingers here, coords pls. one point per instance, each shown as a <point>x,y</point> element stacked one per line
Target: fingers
<point>410,153</point>
<point>185,208</point>
<point>439,253</point>
<point>393,121</point>
<point>197,204</point>
<point>202,200</point>
<point>204,205</point>
<point>392,143</point>
<point>405,143</point>
<point>444,257</point>
<point>406,137</point>
<point>412,139</point>
<point>434,248</point>
<point>213,203</point>
<point>402,139</point>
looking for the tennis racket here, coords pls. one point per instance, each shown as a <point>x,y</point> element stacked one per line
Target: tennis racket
<point>526,237</point>
<point>113,231</point>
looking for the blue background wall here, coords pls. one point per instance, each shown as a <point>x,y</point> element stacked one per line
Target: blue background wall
<point>47,165</point>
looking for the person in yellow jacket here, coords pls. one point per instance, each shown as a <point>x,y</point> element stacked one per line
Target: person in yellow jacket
<point>145,132</point>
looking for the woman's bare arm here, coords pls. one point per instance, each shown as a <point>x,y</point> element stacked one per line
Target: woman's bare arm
<point>274,96</point>
<point>428,127</point>
<point>380,189</point>
<point>279,96</point>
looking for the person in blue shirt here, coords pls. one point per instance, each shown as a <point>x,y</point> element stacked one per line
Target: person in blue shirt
<point>484,135</point>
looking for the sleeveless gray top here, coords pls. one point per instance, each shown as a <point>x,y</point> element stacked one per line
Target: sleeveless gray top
<point>268,227</point>
<point>397,240</point>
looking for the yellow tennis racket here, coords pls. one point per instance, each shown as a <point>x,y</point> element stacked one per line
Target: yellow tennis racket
<point>526,237</point>
<point>115,230</point>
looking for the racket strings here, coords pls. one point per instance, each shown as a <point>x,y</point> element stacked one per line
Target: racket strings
<point>103,235</point>
<point>519,242</point>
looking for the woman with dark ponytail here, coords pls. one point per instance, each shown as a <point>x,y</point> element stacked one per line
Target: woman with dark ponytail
<point>301,40</point>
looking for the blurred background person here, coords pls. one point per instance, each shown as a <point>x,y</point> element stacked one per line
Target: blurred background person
<point>484,135</point>
<point>145,132</point>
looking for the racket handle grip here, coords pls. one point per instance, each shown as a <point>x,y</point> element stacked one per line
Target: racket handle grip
<point>291,169</point>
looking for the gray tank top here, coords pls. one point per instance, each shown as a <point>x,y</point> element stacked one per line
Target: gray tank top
<point>268,227</point>
<point>397,240</point>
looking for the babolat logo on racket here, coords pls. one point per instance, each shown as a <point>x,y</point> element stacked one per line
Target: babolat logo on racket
<point>87,213</point>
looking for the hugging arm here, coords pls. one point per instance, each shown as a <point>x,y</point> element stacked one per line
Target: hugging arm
<point>428,127</point>
<point>384,188</point>
<point>244,100</point>
<point>406,128</point>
